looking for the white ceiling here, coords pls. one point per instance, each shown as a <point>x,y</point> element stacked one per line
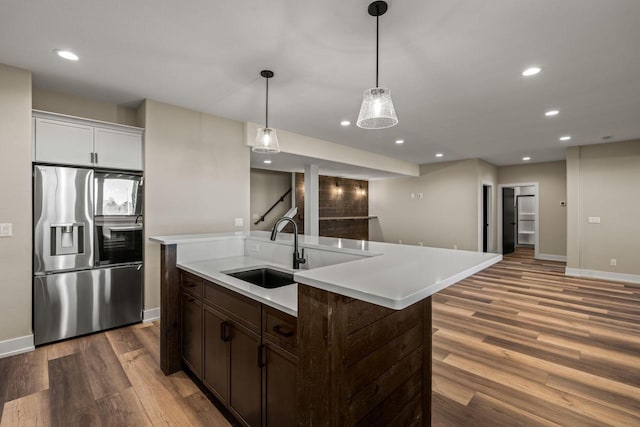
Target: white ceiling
<point>453,66</point>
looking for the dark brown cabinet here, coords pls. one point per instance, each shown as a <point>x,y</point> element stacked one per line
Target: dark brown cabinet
<point>192,333</point>
<point>279,387</point>
<point>245,375</point>
<point>242,351</point>
<point>216,353</point>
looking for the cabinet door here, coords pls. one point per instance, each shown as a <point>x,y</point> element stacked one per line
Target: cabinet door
<point>245,375</point>
<point>64,143</point>
<point>279,387</point>
<point>192,333</point>
<point>217,333</point>
<point>118,149</point>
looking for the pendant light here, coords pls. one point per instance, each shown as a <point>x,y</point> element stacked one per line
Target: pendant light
<point>377,110</point>
<point>266,138</point>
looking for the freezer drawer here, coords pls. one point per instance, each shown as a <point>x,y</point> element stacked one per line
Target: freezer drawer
<point>77,303</point>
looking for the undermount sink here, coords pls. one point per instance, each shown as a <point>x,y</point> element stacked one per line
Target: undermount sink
<point>264,277</point>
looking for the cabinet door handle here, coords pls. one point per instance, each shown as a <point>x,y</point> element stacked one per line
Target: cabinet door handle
<point>262,357</point>
<point>225,336</point>
<point>281,331</point>
<point>91,157</point>
<point>96,154</point>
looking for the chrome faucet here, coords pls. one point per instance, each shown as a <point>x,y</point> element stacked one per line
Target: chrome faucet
<point>297,258</point>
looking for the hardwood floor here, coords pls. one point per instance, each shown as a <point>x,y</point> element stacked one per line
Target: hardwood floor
<point>518,344</point>
<point>105,379</point>
<point>521,344</point>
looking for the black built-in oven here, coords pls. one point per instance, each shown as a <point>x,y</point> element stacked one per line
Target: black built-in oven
<point>118,218</point>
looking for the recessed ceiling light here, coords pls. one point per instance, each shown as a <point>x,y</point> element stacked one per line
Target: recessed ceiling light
<point>67,54</point>
<point>526,159</point>
<point>531,71</point>
<point>565,138</point>
<point>399,141</point>
<point>552,113</point>
<point>345,123</point>
<point>439,154</point>
<point>268,162</point>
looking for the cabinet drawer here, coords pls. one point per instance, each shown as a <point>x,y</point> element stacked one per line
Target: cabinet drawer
<point>281,329</point>
<point>242,309</point>
<point>192,284</point>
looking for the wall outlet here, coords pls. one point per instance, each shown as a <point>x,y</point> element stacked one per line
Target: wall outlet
<point>239,222</point>
<point>413,195</point>
<point>593,220</point>
<point>399,242</point>
<point>256,216</point>
<point>6,229</point>
<point>613,262</point>
<point>455,246</point>
<point>420,243</point>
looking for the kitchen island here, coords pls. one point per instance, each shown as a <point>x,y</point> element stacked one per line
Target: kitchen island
<point>348,344</point>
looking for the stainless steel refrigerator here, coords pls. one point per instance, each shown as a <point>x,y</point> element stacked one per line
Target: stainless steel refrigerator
<point>73,293</point>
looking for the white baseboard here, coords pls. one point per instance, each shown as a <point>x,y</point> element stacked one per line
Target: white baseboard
<point>151,315</point>
<point>17,345</point>
<point>551,257</point>
<point>606,275</point>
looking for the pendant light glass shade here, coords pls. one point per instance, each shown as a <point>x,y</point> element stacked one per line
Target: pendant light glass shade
<point>266,141</point>
<point>266,138</point>
<point>376,111</point>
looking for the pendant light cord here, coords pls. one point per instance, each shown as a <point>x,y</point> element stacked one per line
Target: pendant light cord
<point>266,115</point>
<point>377,46</point>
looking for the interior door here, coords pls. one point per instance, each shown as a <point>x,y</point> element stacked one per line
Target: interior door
<point>485,218</point>
<point>508,220</point>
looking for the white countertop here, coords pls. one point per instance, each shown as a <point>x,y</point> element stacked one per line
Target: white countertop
<point>390,275</point>
<point>284,298</point>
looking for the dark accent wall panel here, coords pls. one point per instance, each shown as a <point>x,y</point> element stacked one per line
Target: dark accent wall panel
<point>338,198</point>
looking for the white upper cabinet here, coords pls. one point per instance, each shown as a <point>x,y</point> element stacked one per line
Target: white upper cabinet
<point>63,142</point>
<point>73,141</point>
<point>119,150</point>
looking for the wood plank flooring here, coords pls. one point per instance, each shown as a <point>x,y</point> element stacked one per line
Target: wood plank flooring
<point>106,379</point>
<point>518,344</point>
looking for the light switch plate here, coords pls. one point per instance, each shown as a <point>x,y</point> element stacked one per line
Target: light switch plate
<point>239,222</point>
<point>593,220</point>
<point>6,229</point>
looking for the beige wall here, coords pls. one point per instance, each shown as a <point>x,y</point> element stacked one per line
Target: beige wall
<point>15,208</point>
<point>488,174</point>
<point>604,181</point>
<point>71,105</point>
<point>552,189</point>
<point>445,216</point>
<point>196,179</point>
<point>266,188</point>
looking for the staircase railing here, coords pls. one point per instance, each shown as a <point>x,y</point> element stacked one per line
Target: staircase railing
<point>280,200</point>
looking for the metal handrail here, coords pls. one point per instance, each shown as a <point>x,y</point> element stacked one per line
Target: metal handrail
<point>280,200</point>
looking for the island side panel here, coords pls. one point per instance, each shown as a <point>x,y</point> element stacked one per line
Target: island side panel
<point>362,364</point>
<point>170,340</point>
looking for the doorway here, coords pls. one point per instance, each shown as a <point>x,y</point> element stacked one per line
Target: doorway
<point>486,216</point>
<point>508,220</point>
<point>518,217</point>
